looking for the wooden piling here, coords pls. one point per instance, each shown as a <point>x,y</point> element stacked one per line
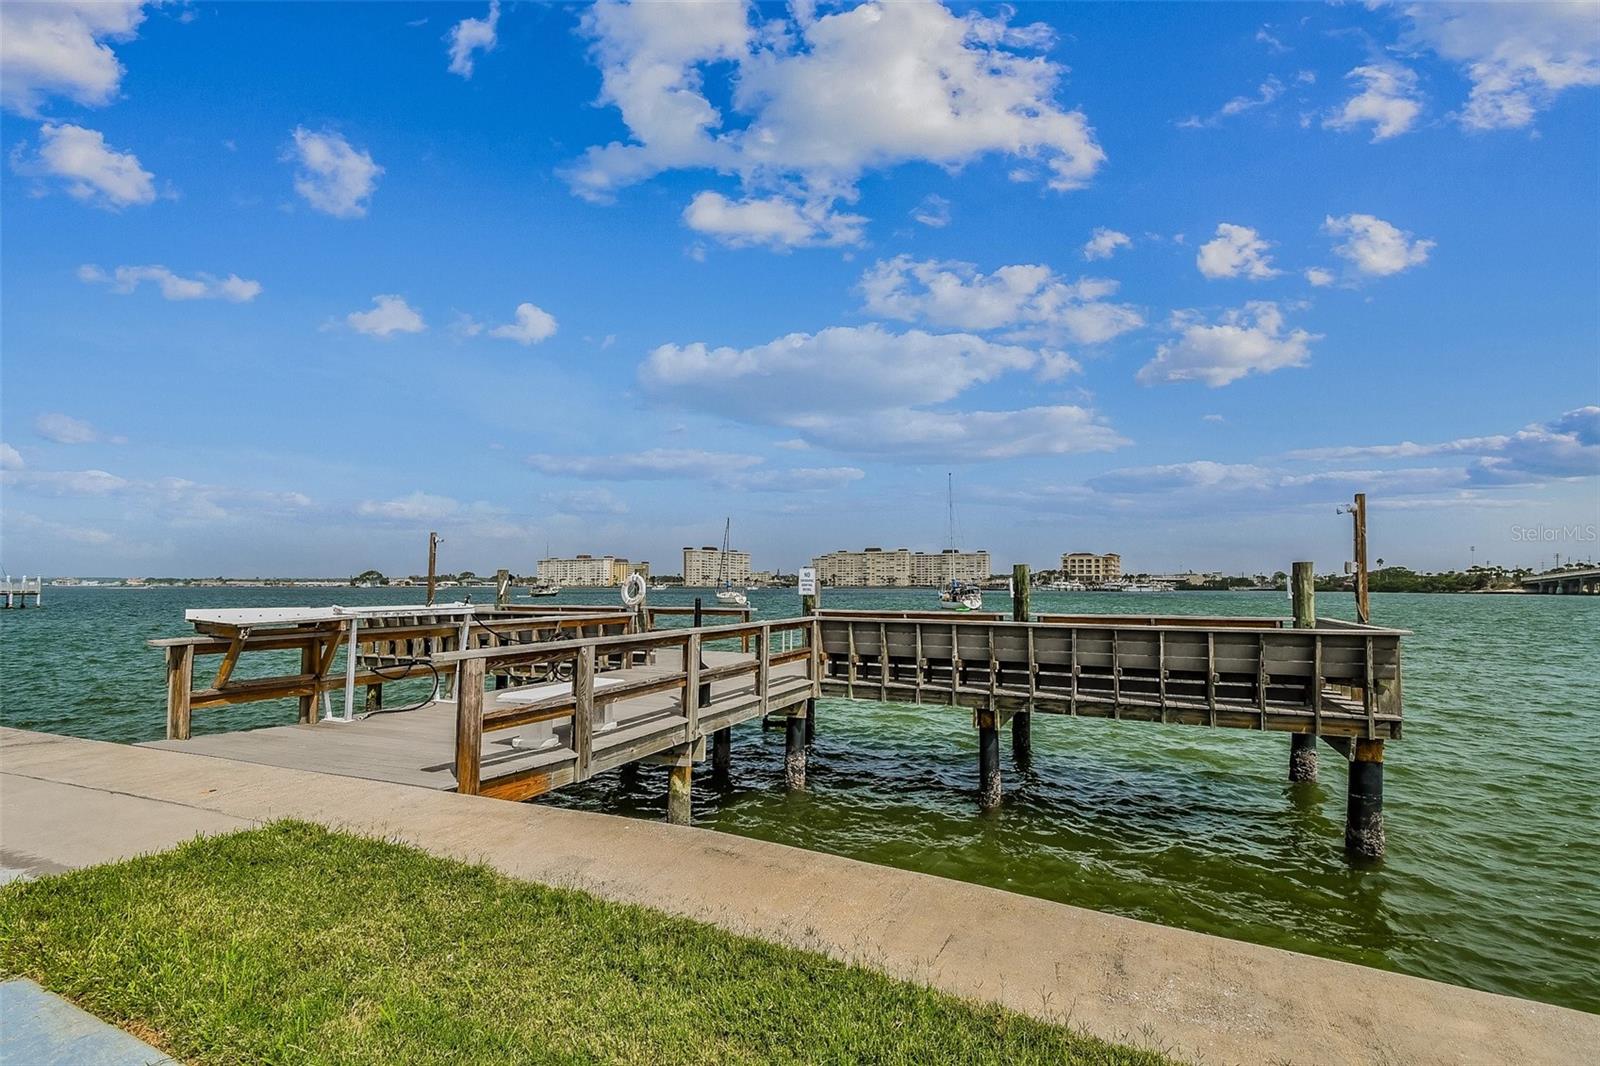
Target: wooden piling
<point>794,753</point>
<point>680,780</point>
<point>1363,819</point>
<point>1303,746</point>
<point>180,683</point>
<point>1363,600</point>
<point>989,790</point>
<point>433,559</point>
<point>469,726</point>
<point>374,697</point>
<point>1022,721</point>
<point>721,755</point>
<point>308,702</point>
<point>502,587</point>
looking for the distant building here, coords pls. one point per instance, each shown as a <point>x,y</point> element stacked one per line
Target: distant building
<point>601,571</point>
<point>1090,568</point>
<point>702,567</point>
<point>900,568</point>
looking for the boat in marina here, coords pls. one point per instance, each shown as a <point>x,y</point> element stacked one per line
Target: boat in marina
<point>544,588</point>
<point>726,593</point>
<point>1066,586</point>
<point>956,595</point>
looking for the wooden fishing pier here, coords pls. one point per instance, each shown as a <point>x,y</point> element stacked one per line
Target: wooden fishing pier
<point>529,699</point>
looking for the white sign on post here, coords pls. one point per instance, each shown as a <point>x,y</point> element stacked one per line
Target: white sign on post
<point>808,581</point>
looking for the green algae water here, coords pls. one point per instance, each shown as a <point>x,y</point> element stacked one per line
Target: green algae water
<point>1492,877</point>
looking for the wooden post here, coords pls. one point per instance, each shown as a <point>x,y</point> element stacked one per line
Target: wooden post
<point>374,697</point>
<point>469,725</point>
<point>180,683</point>
<point>680,779</point>
<point>433,559</point>
<point>794,753</point>
<point>583,710</point>
<point>1022,721</point>
<point>502,587</point>
<point>989,790</point>
<point>1363,603</point>
<point>309,662</point>
<point>1303,746</point>
<point>695,695</point>
<point>1363,818</point>
<point>721,755</point>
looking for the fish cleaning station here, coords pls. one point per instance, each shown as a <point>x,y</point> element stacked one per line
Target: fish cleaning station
<point>525,699</point>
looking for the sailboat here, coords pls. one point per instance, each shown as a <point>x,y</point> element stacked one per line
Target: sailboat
<point>726,593</point>
<point>956,595</point>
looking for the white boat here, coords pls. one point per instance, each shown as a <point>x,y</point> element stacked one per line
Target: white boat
<point>957,595</point>
<point>726,593</point>
<point>544,588</point>
<point>1066,586</point>
<point>659,588</point>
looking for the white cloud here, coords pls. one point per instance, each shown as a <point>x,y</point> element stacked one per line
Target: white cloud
<point>654,464</point>
<point>595,501</point>
<point>1235,251</point>
<point>472,35</point>
<point>962,436</point>
<point>1248,340</point>
<point>1201,474</point>
<point>68,482</point>
<point>64,429</point>
<point>1519,57</point>
<point>1564,447</point>
<point>333,176</point>
<point>795,479</point>
<point>1389,100</point>
<point>1104,243</point>
<point>933,210</point>
<point>390,314</point>
<point>92,171</point>
<point>59,48</point>
<point>773,221</point>
<point>863,389</point>
<point>1269,91</point>
<point>533,324</point>
<point>416,507</point>
<point>1028,299</point>
<point>842,368</point>
<point>822,100</point>
<point>10,458</point>
<point>1375,247</point>
<point>1319,276</point>
<point>125,279</point>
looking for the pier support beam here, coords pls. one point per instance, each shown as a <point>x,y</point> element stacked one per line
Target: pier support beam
<point>679,781</point>
<point>721,755</point>
<point>811,720</point>
<point>989,790</point>
<point>1363,819</point>
<point>180,683</point>
<point>375,697</point>
<point>1022,739</point>
<point>628,775</point>
<point>1302,757</point>
<point>794,753</point>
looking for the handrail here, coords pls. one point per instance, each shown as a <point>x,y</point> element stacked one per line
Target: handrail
<point>473,666</point>
<point>656,638</point>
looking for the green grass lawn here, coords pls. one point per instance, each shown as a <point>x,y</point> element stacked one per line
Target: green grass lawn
<point>295,944</point>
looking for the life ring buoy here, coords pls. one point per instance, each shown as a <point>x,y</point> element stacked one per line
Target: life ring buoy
<point>633,591</point>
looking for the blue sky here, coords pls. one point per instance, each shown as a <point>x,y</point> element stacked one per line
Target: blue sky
<point>286,286</point>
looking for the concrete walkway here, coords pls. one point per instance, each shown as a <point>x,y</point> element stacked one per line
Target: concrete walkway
<point>39,1028</point>
<point>67,802</point>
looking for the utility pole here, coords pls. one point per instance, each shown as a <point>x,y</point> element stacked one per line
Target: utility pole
<point>433,559</point>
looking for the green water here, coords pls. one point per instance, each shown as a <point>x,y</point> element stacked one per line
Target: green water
<point>1493,873</point>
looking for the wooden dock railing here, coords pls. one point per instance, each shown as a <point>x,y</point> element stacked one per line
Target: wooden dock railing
<point>1339,680</point>
<point>695,715</point>
<point>388,649</point>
